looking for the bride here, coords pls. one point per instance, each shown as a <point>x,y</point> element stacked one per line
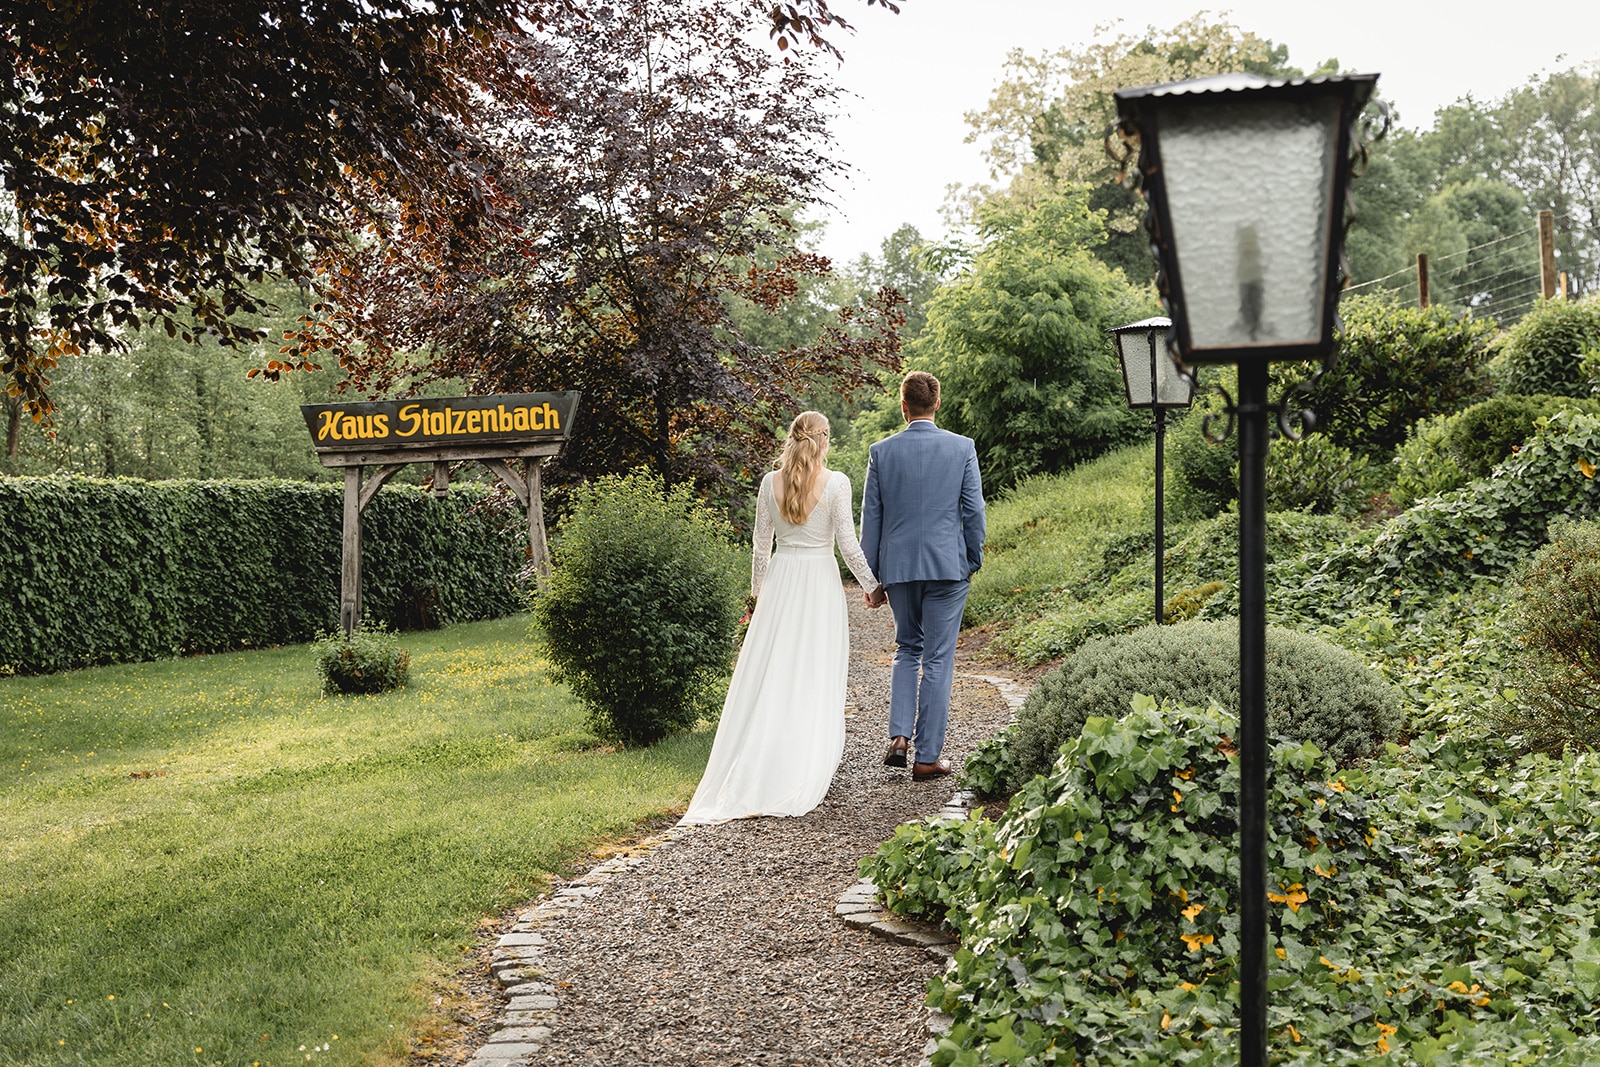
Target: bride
<point>782,728</point>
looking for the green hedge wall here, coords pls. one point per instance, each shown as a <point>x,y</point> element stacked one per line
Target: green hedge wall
<point>105,571</point>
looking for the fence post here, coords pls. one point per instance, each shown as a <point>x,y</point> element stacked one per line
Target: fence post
<point>1547,254</point>
<point>1422,279</point>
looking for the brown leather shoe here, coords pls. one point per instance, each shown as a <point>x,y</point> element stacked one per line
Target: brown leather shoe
<point>921,772</point>
<point>896,756</point>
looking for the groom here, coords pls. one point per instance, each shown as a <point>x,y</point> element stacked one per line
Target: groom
<point>922,532</point>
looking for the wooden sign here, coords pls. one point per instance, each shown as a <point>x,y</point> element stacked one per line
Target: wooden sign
<point>387,435</point>
<point>450,422</point>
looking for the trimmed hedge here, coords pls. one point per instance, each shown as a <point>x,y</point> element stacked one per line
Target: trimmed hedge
<point>106,571</point>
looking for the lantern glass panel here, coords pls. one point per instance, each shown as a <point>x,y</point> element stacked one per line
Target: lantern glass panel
<point>1172,389</point>
<point>1248,187</point>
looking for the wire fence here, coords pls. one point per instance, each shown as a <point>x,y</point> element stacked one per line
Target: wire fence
<point>1499,278</point>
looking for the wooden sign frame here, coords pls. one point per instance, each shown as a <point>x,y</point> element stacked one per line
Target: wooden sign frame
<point>494,431</point>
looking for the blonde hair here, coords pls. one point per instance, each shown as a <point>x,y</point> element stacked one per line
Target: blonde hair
<point>798,464</point>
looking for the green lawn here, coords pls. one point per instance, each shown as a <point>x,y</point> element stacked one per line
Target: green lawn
<point>208,861</point>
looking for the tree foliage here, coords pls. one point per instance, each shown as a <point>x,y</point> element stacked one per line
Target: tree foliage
<point>1045,124</point>
<point>663,156</point>
<point>1018,342</point>
<point>163,155</point>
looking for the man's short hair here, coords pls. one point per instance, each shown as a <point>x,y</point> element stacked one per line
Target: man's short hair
<point>920,392</point>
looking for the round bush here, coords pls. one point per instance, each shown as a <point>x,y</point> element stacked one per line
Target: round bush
<point>1544,352</point>
<point>1448,451</point>
<point>1557,604</point>
<point>641,609</point>
<point>1315,691</point>
<point>369,660</point>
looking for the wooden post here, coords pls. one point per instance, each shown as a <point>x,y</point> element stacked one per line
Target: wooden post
<point>350,571</point>
<point>1547,254</point>
<point>1422,279</point>
<point>1563,293</point>
<point>538,549</point>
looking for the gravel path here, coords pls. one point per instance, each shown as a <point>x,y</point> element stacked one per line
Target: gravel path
<point>724,949</point>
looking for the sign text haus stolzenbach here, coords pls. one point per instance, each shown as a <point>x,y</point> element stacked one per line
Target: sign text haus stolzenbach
<point>447,421</point>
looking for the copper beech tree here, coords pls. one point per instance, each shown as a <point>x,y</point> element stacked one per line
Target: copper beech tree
<point>160,157</point>
<point>661,151</point>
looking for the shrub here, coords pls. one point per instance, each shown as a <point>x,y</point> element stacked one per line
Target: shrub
<point>1315,691</point>
<point>642,606</point>
<point>1395,365</point>
<point>1492,524</point>
<point>1187,603</point>
<point>368,660</point>
<point>1019,343</point>
<point>1448,451</point>
<point>1557,605</point>
<point>1099,917</point>
<point>110,571</point>
<point>1317,475</point>
<point>1201,475</point>
<point>1544,352</point>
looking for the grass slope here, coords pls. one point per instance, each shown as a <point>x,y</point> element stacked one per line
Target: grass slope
<point>295,866</point>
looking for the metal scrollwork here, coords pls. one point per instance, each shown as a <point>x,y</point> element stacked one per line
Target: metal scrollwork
<point>1122,148</point>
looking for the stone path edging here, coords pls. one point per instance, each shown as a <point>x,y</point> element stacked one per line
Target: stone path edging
<point>525,1023</point>
<point>530,1012</point>
<point>858,906</point>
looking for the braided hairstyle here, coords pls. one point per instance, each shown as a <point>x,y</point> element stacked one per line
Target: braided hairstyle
<point>803,452</point>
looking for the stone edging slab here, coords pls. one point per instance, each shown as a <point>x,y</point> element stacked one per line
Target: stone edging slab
<point>516,962</point>
<point>858,906</point>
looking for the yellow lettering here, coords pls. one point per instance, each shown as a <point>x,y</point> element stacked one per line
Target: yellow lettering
<point>474,421</point>
<point>438,423</point>
<point>535,419</point>
<point>552,421</point>
<point>329,427</point>
<point>519,419</point>
<point>503,423</point>
<point>366,425</point>
<point>380,425</point>
<point>457,423</point>
<point>349,428</point>
<point>410,414</point>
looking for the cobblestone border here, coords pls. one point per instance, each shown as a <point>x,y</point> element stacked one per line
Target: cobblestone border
<point>527,1019</point>
<point>858,906</point>
<point>516,962</point>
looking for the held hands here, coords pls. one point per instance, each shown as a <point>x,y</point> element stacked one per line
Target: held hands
<point>877,598</point>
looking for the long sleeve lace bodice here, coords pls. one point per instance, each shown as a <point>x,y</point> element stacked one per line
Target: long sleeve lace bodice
<point>830,523</point>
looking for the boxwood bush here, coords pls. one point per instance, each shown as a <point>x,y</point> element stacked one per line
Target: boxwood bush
<point>641,610</point>
<point>106,571</point>
<point>1557,609</point>
<point>1316,691</point>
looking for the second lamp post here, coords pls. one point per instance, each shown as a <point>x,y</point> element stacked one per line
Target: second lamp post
<point>1153,381</point>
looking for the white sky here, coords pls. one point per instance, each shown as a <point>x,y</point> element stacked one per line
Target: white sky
<point>914,74</point>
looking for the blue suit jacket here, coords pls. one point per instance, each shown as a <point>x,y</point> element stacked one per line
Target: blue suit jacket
<point>922,507</point>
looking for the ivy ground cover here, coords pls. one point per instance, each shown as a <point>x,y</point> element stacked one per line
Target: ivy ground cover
<point>1435,907</point>
<point>207,861</point>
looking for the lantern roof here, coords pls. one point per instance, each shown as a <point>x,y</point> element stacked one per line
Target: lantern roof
<point>1244,81</point>
<point>1157,322</point>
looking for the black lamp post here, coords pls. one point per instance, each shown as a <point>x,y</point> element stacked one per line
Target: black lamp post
<point>1246,180</point>
<point>1153,381</point>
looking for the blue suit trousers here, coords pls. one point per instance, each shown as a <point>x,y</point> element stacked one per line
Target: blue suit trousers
<point>927,621</point>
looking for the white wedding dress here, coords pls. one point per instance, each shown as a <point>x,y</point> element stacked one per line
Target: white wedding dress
<point>782,728</point>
